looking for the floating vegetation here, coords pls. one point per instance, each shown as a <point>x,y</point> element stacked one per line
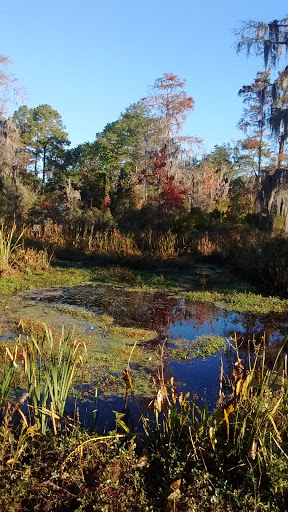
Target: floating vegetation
<point>239,301</point>
<point>202,347</point>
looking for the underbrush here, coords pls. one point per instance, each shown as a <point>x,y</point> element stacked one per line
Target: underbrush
<point>262,258</point>
<point>234,458</point>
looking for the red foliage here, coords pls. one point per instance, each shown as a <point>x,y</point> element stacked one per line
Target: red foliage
<point>160,162</point>
<point>209,179</point>
<point>105,203</point>
<point>45,205</point>
<point>171,195</point>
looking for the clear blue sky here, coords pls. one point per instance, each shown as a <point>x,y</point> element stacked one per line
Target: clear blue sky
<point>90,60</point>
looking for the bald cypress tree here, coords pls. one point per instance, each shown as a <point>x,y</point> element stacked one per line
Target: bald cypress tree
<point>270,40</point>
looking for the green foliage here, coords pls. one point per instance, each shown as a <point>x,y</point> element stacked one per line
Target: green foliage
<point>43,134</point>
<point>49,369</point>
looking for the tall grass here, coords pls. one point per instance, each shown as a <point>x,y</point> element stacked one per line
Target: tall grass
<point>248,428</point>
<point>233,458</point>
<point>256,415</point>
<point>48,369</point>
<point>9,243</point>
<point>113,242</point>
<point>9,366</point>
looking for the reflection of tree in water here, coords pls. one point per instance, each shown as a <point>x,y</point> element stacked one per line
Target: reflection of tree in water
<point>273,326</point>
<point>201,313</point>
<point>159,312</point>
<point>156,311</point>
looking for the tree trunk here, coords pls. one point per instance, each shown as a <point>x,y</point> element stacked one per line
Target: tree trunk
<point>260,149</point>
<point>35,166</point>
<point>281,150</point>
<point>44,170</point>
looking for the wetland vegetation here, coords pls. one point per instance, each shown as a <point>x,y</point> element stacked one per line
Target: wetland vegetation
<point>144,308</point>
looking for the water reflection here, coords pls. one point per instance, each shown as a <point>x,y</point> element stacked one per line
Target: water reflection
<point>171,316</point>
<point>176,318</point>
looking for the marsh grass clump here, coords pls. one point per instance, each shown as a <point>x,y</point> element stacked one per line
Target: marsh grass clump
<point>14,258</point>
<point>47,366</point>
<point>119,274</point>
<point>134,332</point>
<point>32,327</point>
<point>206,246</point>
<point>113,241</point>
<point>225,459</point>
<point>9,243</point>
<point>77,312</point>
<point>28,260</point>
<point>166,245</point>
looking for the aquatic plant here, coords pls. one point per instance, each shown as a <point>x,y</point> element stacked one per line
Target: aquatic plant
<point>9,243</point>
<point>234,458</point>
<point>113,242</point>
<point>119,274</point>
<point>8,368</point>
<point>240,301</point>
<point>49,367</point>
<point>203,346</point>
<point>206,246</point>
<point>256,414</point>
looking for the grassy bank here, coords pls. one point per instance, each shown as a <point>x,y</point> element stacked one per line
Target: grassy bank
<point>145,280</point>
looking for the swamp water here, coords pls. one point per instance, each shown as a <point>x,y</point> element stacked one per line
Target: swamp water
<point>194,335</point>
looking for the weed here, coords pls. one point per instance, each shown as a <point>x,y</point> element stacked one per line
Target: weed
<point>9,243</point>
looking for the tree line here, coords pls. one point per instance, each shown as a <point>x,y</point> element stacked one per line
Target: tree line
<point>140,170</point>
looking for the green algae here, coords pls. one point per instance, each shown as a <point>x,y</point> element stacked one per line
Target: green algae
<point>109,346</point>
<point>203,346</point>
<point>240,301</point>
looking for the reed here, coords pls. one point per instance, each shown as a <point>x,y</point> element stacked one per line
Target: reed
<point>49,367</point>
<point>29,259</point>
<point>259,410</point>
<point>206,246</point>
<point>113,242</point>
<point>9,243</point>
<point>9,366</point>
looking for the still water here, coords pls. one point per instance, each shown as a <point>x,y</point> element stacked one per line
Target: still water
<point>174,319</point>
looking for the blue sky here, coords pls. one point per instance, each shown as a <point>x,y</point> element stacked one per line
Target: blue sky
<point>90,60</point>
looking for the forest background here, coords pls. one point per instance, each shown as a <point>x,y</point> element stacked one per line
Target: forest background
<point>143,177</point>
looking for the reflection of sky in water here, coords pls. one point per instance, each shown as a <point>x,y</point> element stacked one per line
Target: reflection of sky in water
<point>172,318</point>
<point>221,326</point>
<point>223,323</point>
<point>101,412</point>
<point>198,377</point>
